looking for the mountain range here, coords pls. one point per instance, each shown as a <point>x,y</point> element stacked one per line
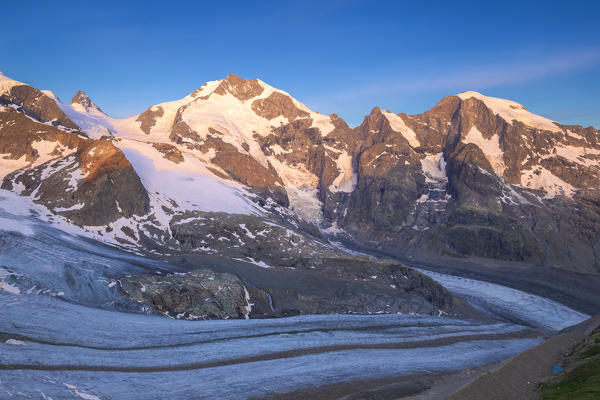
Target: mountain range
<point>241,170</point>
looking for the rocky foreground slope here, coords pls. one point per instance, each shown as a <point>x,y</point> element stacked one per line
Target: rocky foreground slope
<point>242,170</point>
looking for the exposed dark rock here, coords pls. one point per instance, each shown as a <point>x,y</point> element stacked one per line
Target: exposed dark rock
<point>207,294</point>
<point>19,134</point>
<point>278,104</point>
<point>200,294</point>
<point>94,186</point>
<point>170,152</point>
<point>243,89</point>
<point>148,118</point>
<point>38,106</point>
<point>248,237</point>
<point>83,99</point>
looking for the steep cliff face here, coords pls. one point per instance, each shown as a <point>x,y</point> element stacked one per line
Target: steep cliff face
<point>478,176</point>
<point>25,142</point>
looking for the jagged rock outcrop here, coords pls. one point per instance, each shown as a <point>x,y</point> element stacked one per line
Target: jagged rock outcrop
<point>201,294</point>
<point>83,100</point>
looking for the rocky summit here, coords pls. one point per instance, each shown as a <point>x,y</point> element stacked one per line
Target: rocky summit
<point>239,170</point>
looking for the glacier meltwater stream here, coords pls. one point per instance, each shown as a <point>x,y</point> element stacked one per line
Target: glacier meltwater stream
<point>63,334</point>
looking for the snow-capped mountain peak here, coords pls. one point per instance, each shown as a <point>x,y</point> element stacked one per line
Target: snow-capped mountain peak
<point>511,110</point>
<point>238,108</point>
<point>82,100</point>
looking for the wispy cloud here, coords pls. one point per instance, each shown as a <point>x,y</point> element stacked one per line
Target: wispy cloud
<point>472,77</point>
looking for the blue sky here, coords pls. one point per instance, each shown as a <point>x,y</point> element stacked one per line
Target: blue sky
<point>341,57</point>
